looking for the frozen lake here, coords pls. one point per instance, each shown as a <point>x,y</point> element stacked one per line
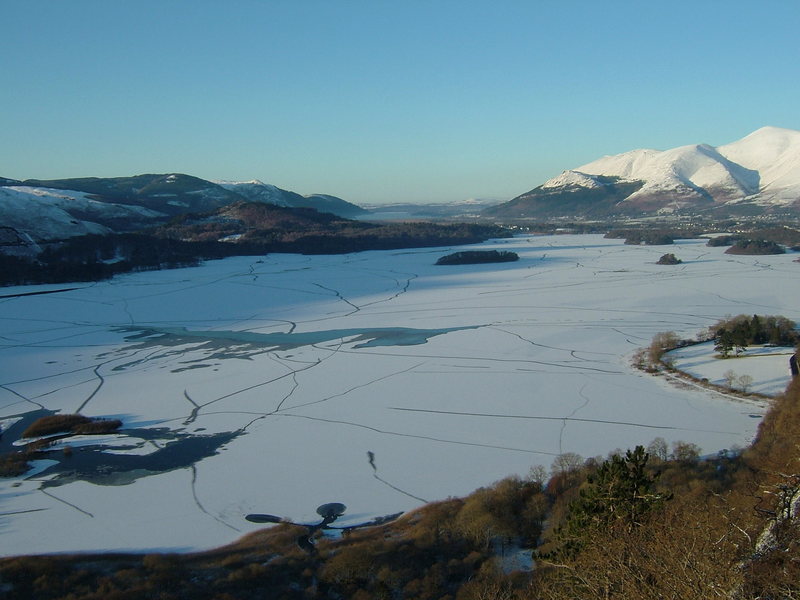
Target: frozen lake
<point>261,384</point>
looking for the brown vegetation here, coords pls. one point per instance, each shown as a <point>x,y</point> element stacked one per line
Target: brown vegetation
<point>76,424</point>
<point>14,464</point>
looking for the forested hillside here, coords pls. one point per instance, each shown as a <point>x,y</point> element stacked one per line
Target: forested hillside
<point>238,230</point>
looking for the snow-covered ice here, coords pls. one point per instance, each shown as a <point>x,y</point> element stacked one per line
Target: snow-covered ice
<point>261,384</point>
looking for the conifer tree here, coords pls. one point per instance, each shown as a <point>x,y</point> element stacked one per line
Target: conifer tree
<point>620,494</point>
<point>724,343</point>
<point>756,331</point>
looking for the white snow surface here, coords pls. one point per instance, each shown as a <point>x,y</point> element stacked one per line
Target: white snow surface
<point>256,191</point>
<point>573,178</point>
<point>46,211</point>
<point>765,163</point>
<point>540,366</point>
<point>775,154</point>
<point>767,366</point>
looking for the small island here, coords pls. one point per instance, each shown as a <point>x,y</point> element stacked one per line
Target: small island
<point>669,259</point>
<point>474,257</point>
<point>755,247</point>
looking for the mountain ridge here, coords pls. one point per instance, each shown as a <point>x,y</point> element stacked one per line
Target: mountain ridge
<point>758,174</point>
<point>42,209</point>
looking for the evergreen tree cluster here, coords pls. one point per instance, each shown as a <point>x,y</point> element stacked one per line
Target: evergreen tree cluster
<point>734,335</point>
<point>620,494</point>
<point>755,247</point>
<point>98,257</point>
<point>669,259</point>
<point>248,230</point>
<point>723,240</point>
<point>472,257</point>
<point>644,236</point>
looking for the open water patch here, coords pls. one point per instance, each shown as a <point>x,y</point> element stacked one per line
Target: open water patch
<point>240,341</point>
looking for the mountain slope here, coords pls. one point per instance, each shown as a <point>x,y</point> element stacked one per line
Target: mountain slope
<point>46,213</point>
<point>757,174</point>
<point>43,210</point>
<point>572,193</point>
<point>257,191</point>
<point>169,194</point>
<point>775,154</point>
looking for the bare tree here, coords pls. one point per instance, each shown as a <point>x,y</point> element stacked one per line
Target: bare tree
<point>658,448</point>
<point>566,462</point>
<point>745,382</point>
<point>662,342</point>
<point>730,377</point>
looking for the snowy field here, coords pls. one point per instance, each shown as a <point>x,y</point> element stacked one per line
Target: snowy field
<point>766,367</point>
<point>377,379</point>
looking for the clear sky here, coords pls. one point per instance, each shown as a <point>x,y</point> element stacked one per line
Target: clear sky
<point>383,101</point>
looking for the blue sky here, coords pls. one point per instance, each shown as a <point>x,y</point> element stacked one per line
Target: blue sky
<point>383,101</point>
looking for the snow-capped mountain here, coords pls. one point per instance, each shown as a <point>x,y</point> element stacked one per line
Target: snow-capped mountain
<point>774,154</point>
<point>33,211</point>
<point>757,174</point>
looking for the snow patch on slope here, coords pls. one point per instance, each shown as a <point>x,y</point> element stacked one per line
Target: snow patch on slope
<point>256,191</point>
<point>572,178</point>
<point>46,213</point>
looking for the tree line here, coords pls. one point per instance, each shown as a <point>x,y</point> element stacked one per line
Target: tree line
<point>735,334</point>
<point>244,230</point>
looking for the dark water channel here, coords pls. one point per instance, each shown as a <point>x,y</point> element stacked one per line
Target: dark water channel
<point>363,337</point>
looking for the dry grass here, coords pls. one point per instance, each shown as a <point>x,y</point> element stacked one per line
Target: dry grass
<point>77,424</point>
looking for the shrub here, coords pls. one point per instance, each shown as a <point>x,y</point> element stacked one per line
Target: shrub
<point>685,452</point>
<point>98,426</point>
<point>13,464</point>
<point>662,342</point>
<point>77,424</point>
<point>54,424</point>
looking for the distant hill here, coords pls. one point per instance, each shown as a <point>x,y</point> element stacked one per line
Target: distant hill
<point>269,228</point>
<point>257,191</point>
<point>50,209</point>
<point>238,229</point>
<point>460,209</point>
<point>757,175</point>
<point>169,194</point>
